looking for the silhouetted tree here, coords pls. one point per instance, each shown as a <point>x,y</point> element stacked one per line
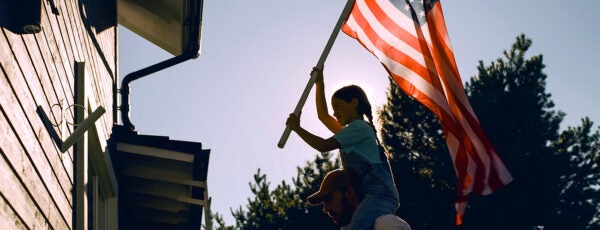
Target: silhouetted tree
<point>422,168</point>
<point>285,206</point>
<point>579,171</point>
<point>510,99</point>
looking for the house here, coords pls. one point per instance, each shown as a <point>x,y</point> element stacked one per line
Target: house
<point>67,162</point>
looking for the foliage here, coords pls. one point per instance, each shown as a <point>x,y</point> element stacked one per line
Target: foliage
<point>285,206</point>
<point>420,161</point>
<point>579,171</point>
<point>516,113</point>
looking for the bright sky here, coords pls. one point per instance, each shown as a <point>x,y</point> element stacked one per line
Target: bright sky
<point>256,57</point>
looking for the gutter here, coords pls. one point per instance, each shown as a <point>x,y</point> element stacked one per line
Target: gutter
<point>194,22</point>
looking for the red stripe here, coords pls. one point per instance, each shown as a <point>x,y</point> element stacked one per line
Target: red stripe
<point>394,28</point>
<point>389,50</point>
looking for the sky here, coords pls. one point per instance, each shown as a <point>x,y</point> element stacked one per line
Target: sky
<point>256,57</point>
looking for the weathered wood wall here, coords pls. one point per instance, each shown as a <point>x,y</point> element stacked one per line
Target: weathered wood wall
<point>37,70</point>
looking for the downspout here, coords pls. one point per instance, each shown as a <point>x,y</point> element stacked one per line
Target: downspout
<point>194,22</point>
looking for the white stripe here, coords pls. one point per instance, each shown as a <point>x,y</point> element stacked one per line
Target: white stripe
<point>390,38</point>
<point>400,70</point>
<point>399,18</point>
<point>425,31</point>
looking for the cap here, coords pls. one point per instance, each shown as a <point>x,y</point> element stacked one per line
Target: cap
<point>335,179</point>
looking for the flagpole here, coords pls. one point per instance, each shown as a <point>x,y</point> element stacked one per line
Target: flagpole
<point>320,63</point>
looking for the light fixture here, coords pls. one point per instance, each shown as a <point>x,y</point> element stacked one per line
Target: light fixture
<point>21,16</point>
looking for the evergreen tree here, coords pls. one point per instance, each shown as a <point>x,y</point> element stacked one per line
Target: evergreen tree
<point>579,171</point>
<point>285,206</point>
<point>419,158</point>
<point>516,113</point>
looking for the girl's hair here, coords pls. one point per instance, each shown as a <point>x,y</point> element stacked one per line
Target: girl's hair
<point>347,93</point>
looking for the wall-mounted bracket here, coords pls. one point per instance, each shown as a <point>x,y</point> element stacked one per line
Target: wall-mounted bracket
<point>77,133</point>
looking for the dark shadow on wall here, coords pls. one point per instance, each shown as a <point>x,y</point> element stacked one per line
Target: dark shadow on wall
<point>100,15</point>
<point>4,17</point>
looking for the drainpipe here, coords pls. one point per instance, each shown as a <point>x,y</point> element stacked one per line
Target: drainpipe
<point>194,22</point>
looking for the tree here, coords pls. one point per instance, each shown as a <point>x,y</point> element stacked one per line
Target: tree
<point>420,162</point>
<point>579,171</point>
<point>516,113</point>
<point>285,206</point>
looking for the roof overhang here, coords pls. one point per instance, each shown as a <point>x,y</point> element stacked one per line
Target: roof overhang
<point>166,23</point>
<point>162,182</point>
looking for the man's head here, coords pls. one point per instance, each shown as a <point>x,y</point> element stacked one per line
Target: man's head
<point>339,194</point>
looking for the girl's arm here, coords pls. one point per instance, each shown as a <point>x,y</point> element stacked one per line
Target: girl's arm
<point>329,121</point>
<point>318,143</point>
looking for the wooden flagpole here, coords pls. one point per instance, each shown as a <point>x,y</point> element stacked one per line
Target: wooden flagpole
<point>320,63</point>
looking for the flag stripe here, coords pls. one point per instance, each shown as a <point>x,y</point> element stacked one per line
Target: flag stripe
<point>389,43</point>
<point>385,16</point>
<point>460,106</point>
<point>399,70</point>
<point>418,56</point>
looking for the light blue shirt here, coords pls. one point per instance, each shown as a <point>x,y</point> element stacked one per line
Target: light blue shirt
<point>359,138</point>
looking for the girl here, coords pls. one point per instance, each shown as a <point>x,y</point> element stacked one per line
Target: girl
<point>360,149</point>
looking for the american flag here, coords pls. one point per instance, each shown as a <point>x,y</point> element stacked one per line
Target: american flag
<point>410,39</point>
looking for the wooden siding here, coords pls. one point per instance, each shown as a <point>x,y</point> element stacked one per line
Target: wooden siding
<point>37,70</point>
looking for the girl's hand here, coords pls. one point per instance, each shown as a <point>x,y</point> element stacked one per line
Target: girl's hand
<point>293,121</point>
<point>319,73</point>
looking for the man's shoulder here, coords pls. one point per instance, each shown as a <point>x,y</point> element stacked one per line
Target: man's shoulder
<point>389,222</point>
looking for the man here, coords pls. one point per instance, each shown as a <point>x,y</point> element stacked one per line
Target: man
<point>340,195</point>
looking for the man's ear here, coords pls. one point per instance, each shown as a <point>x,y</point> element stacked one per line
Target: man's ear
<point>350,193</point>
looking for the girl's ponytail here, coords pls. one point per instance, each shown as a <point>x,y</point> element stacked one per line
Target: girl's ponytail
<point>382,153</point>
